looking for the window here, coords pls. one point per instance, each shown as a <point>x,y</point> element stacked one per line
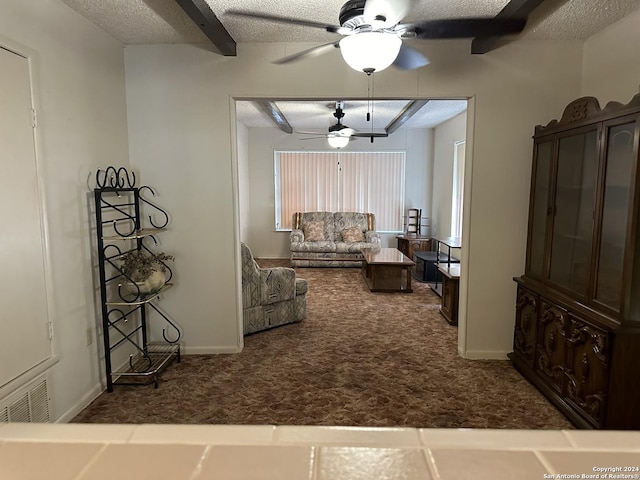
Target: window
<point>340,181</point>
<point>458,188</point>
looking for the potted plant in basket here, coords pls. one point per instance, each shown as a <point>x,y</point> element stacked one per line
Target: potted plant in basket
<point>146,270</point>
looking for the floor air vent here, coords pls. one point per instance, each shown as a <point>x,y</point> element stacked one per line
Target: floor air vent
<point>30,404</point>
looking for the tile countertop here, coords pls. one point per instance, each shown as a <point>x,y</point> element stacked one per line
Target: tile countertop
<point>264,452</point>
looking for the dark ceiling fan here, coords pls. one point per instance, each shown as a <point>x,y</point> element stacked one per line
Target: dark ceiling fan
<point>339,133</point>
<point>373,35</point>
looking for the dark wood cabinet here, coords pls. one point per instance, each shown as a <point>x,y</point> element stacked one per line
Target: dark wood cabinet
<point>526,330</point>
<point>587,369</point>
<point>450,292</point>
<point>550,349</point>
<point>577,326</point>
<point>408,244</point>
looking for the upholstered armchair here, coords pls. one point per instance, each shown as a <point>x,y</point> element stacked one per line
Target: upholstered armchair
<point>270,296</point>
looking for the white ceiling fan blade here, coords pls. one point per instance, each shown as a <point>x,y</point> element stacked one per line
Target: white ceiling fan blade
<point>385,13</point>
<point>409,59</point>
<point>307,132</point>
<point>311,52</point>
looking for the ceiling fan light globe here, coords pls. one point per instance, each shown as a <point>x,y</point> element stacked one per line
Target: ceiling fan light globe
<point>370,51</point>
<point>338,141</point>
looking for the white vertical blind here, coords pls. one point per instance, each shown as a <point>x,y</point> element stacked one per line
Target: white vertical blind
<point>341,181</point>
<point>374,182</point>
<point>305,182</point>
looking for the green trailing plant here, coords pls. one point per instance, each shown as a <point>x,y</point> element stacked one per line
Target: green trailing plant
<point>138,265</point>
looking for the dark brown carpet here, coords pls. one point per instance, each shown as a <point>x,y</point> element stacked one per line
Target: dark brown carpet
<point>360,359</point>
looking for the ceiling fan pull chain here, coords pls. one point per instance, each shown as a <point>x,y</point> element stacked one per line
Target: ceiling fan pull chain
<point>373,93</point>
<point>368,98</point>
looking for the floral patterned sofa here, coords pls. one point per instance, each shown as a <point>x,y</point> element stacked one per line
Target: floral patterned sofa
<point>270,296</point>
<point>328,239</point>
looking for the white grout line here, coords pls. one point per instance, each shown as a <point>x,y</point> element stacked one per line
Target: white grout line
<point>91,462</point>
<point>313,458</point>
<point>132,434</point>
<point>316,463</point>
<point>544,462</point>
<point>198,470</point>
<point>570,439</point>
<point>431,464</point>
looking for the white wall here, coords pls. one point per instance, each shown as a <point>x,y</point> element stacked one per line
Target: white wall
<point>82,125</point>
<point>611,70</point>
<point>515,88</point>
<point>180,135</point>
<point>265,241</point>
<point>419,173</point>
<point>446,134</point>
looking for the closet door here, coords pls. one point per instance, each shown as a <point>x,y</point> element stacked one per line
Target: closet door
<point>24,329</point>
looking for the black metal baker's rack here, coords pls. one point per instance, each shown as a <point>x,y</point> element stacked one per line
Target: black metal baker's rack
<point>125,309</point>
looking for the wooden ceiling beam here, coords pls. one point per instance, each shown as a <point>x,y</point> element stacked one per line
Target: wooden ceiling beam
<point>274,113</point>
<point>516,9</point>
<point>202,15</point>
<point>407,112</point>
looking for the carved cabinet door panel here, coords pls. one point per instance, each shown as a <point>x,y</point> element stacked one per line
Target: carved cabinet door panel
<point>551,347</point>
<point>419,245</point>
<point>587,369</point>
<point>524,339</point>
<point>447,298</point>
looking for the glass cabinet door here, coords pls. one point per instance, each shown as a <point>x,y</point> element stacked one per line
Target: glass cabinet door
<point>539,208</point>
<point>574,207</point>
<point>617,196</point>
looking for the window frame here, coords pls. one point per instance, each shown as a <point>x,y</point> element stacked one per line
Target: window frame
<point>457,187</point>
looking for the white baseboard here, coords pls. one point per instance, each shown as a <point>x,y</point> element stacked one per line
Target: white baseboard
<point>210,350</point>
<point>83,403</point>
<point>485,355</point>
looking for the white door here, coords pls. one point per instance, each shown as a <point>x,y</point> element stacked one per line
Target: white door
<point>24,329</point>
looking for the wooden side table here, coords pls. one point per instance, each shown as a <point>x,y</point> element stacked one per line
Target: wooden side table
<point>408,244</point>
<point>449,242</point>
<point>450,291</point>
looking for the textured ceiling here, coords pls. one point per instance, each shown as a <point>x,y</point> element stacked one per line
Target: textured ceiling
<point>318,115</point>
<point>136,22</point>
<point>141,22</point>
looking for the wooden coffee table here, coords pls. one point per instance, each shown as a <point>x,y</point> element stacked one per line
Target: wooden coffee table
<point>387,270</point>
